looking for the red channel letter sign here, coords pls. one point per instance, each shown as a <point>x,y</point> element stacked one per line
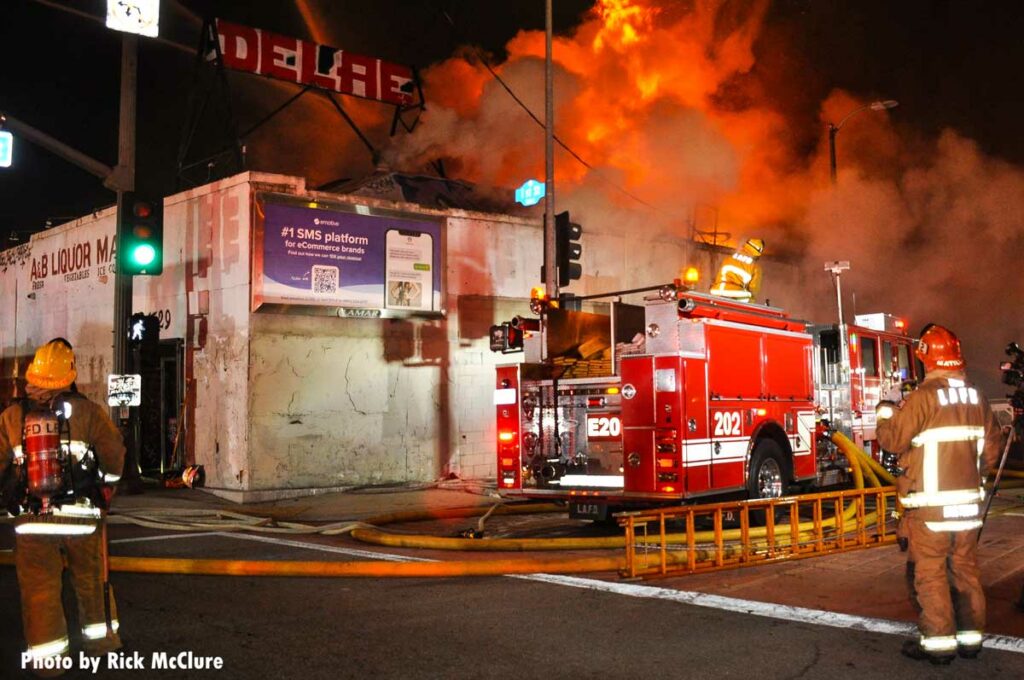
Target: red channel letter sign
<point>255,50</point>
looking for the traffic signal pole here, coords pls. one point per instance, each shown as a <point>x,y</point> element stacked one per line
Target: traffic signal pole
<point>125,172</point>
<point>126,167</point>
<point>550,273</point>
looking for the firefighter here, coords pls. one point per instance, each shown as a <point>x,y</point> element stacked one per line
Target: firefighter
<point>61,516</point>
<point>946,440</point>
<point>740,275</point>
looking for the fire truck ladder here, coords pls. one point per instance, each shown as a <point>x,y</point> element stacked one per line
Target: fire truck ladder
<point>838,521</point>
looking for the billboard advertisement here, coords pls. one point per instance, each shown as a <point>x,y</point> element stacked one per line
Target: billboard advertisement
<point>359,261</point>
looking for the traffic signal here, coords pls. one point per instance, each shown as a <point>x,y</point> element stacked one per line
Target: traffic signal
<point>141,225</point>
<point>506,338</point>
<point>144,333</point>
<point>567,249</point>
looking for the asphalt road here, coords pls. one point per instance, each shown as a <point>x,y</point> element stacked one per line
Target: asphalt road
<point>500,627</point>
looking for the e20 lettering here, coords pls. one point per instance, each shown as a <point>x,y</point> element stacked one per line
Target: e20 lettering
<point>603,427</point>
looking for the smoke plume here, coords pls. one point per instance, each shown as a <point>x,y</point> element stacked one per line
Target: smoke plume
<point>663,102</point>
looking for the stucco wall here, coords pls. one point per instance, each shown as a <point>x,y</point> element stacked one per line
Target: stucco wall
<point>290,402</point>
<point>210,285</point>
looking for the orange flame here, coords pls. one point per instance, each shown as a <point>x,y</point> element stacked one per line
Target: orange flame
<point>658,96</point>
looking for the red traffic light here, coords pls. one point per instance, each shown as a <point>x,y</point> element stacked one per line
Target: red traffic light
<point>142,209</point>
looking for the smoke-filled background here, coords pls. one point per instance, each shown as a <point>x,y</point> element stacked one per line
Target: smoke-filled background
<point>686,113</point>
<point>666,100</point>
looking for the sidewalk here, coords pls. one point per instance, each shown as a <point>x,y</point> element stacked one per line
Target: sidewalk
<point>356,504</point>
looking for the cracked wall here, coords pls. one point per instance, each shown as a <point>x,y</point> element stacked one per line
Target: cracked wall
<point>338,402</point>
<point>293,401</point>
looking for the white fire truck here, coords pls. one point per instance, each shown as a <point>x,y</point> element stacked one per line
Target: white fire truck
<point>687,396</point>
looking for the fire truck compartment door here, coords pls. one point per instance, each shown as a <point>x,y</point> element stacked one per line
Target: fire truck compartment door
<point>638,460</point>
<point>696,443</point>
<point>637,392</point>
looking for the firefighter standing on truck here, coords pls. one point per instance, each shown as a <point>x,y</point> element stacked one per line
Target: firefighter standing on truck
<point>740,275</point>
<point>947,439</point>
<point>61,451</point>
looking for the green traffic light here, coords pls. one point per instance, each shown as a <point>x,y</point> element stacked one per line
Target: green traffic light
<point>144,254</point>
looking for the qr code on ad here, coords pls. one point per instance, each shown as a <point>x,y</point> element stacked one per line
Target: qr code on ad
<point>325,280</point>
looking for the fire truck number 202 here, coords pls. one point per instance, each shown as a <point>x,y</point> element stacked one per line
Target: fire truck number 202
<point>727,423</point>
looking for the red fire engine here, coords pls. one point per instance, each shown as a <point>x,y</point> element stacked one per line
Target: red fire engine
<point>688,396</point>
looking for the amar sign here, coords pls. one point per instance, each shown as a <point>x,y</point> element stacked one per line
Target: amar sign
<point>254,50</point>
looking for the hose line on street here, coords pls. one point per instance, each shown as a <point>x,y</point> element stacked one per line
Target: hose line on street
<point>861,466</point>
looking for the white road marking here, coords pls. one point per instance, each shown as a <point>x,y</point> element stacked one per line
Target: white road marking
<point>163,537</point>
<point>352,552</point>
<point>765,609</point>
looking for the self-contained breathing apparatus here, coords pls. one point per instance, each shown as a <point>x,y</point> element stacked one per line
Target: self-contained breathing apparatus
<point>53,477</point>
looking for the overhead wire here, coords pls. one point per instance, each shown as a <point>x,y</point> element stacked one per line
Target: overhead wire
<point>482,57</point>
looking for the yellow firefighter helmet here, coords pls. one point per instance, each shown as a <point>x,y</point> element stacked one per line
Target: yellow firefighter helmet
<point>753,247</point>
<point>53,367</point>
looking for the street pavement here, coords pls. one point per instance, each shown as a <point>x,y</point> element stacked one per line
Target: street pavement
<point>775,621</point>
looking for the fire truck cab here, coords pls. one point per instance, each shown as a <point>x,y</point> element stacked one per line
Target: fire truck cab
<point>686,397</point>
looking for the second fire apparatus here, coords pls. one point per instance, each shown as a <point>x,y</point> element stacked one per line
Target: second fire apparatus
<point>688,396</point>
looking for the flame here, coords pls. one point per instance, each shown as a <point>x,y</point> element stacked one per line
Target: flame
<point>625,23</point>
<point>645,91</point>
<point>666,100</point>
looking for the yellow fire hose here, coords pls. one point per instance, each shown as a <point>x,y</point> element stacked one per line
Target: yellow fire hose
<point>377,536</point>
<point>375,569</point>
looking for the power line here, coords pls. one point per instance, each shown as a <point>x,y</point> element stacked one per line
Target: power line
<point>483,60</point>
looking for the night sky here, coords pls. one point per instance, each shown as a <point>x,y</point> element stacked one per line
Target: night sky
<point>949,63</point>
<point>944,167</point>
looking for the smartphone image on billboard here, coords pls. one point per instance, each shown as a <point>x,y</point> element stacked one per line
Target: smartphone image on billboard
<point>409,270</point>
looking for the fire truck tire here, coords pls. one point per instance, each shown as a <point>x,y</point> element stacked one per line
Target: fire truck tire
<point>768,476</point>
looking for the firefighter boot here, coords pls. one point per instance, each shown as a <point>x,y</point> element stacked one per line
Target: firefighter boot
<point>913,650</point>
<point>966,652</point>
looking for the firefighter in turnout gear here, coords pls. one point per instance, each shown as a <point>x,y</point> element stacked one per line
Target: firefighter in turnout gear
<point>946,439</point>
<point>64,451</point>
<point>740,276</point>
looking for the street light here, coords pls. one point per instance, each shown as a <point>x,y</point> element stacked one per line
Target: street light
<point>833,129</point>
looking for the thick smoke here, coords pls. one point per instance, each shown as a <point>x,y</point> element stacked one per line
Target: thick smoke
<point>940,242</point>
<point>664,102</point>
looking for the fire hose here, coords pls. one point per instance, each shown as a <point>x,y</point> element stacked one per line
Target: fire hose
<point>228,521</point>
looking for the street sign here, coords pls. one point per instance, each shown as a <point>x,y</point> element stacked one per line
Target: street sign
<point>530,192</point>
<point>134,16</point>
<point>124,390</point>
<point>6,148</point>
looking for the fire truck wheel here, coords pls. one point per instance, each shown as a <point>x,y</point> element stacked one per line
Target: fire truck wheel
<point>768,475</point>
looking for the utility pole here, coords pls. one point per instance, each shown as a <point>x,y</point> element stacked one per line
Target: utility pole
<point>125,171</point>
<point>550,275</point>
<point>833,130</point>
<point>126,168</point>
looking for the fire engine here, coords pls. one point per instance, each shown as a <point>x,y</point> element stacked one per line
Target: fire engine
<point>686,397</point>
